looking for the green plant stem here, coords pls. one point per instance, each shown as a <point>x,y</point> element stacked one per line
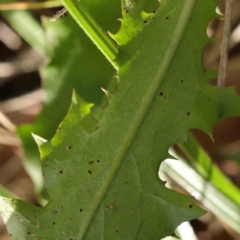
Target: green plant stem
<point>93,30</point>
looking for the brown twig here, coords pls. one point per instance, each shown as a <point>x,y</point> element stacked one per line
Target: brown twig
<point>58,15</point>
<point>225,45</point>
<point>29,5</point>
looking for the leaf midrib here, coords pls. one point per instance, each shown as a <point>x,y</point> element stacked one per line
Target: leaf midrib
<point>143,110</point>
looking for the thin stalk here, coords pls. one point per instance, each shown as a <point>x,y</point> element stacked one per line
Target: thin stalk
<point>100,38</point>
<point>58,14</point>
<point>29,5</point>
<point>225,45</point>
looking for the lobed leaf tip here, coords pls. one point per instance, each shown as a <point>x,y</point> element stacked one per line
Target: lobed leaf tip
<point>39,140</point>
<point>133,20</point>
<point>113,36</point>
<point>105,91</point>
<point>75,98</point>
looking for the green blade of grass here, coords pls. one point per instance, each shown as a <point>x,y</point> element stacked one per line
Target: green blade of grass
<point>209,170</point>
<point>28,28</point>
<point>204,190</point>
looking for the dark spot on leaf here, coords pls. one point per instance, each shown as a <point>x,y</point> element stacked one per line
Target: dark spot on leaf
<point>154,11</point>
<point>89,171</point>
<point>161,93</point>
<point>163,110</point>
<point>181,81</point>
<point>153,18</point>
<point>56,211</point>
<point>69,147</point>
<point>166,18</point>
<point>116,231</point>
<point>188,113</point>
<point>190,206</point>
<point>90,163</point>
<point>28,233</point>
<point>80,210</point>
<point>127,11</point>
<point>61,172</point>
<point>46,165</point>
<point>53,223</point>
<point>98,161</point>
<point>111,207</point>
<point>126,182</point>
<point>145,22</point>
